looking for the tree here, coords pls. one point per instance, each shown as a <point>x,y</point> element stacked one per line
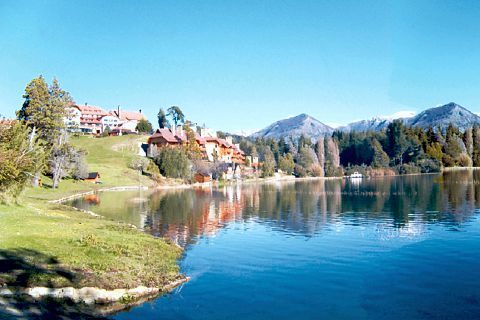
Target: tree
<point>106,132</point>
<point>173,163</point>
<point>286,163</point>
<point>397,141</point>
<point>332,156</point>
<point>191,147</point>
<point>20,159</point>
<point>476,146</point>
<point>268,166</point>
<point>162,119</point>
<point>468,141</point>
<point>320,150</point>
<point>380,157</point>
<point>176,114</point>
<point>44,110</point>
<point>144,126</point>
<point>306,158</point>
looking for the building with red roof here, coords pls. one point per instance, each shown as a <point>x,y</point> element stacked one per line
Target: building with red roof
<point>213,148</point>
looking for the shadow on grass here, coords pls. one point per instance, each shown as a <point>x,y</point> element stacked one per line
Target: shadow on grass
<point>22,268</point>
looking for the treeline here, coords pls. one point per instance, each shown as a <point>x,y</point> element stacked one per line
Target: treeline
<point>399,149</point>
<point>37,142</point>
<point>301,157</point>
<point>404,149</point>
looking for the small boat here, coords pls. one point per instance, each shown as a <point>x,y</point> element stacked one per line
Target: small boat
<point>356,175</point>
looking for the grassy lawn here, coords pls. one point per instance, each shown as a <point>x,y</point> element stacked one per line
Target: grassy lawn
<point>52,245</point>
<point>108,156</point>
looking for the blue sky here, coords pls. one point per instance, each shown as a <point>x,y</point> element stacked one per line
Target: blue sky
<point>244,64</point>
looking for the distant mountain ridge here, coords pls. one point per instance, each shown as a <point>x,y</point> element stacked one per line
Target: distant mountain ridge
<point>443,116</point>
<point>295,127</point>
<point>306,125</point>
<point>374,124</point>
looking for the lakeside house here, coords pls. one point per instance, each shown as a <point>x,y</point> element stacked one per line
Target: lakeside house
<point>212,147</point>
<point>90,119</point>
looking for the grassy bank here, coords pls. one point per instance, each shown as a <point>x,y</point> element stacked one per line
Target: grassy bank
<point>45,244</point>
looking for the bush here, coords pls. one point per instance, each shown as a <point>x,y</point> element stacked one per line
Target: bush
<point>408,168</point>
<point>300,171</point>
<point>173,163</point>
<point>316,170</point>
<point>332,171</point>
<point>464,160</point>
<point>140,164</point>
<point>429,165</point>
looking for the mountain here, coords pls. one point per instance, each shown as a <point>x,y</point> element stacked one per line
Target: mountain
<point>294,127</point>
<point>374,124</point>
<point>443,116</point>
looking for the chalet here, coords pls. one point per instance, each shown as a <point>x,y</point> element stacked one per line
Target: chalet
<point>212,147</point>
<point>202,177</point>
<point>166,137</point>
<point>93,177</point>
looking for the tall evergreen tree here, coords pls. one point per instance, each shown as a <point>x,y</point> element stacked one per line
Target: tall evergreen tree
<point>162,119</point>
<point>380,157</point>
<point>476,146</point>
<point>176,114</point>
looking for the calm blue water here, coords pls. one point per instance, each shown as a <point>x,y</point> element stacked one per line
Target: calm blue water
<point>392,248</point>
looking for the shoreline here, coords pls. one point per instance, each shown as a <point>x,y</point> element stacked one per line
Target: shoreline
<point>118,299</point>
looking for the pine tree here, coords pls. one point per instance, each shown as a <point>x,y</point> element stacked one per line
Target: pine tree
<point>162,119</point>
<point>177,115</point>
<point>380,157</point>
<point>476,146</point>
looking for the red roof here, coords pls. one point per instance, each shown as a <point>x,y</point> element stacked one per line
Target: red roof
<point>166,134</point>
<point>92,110</point>
<point>128,115</point>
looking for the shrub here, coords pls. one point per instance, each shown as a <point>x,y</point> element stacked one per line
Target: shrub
<point>316,170</point>
<point>173,163</point>
<point>300,171</point>
<point>408,168</point>
<point>429,165</point>
<point>140,164</point>
<point>464,160</point>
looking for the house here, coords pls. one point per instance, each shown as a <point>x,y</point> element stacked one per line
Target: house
<point>202,177</point>
<point>93,177</point>
<point>110,121</point>
<point>129,119</point>
<point>90,118</point>
<point>176,137</point>
<point>72,119</point>
<point>212,147</point>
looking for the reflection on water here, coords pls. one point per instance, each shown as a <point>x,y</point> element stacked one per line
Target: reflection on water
<point>398,205</point>
<point>392,248</point>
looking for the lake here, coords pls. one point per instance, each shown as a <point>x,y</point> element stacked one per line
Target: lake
<point>388,248</point>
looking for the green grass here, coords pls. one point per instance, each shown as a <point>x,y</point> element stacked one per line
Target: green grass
<point>54,245</point>
<point>108,156</point>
